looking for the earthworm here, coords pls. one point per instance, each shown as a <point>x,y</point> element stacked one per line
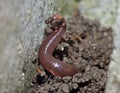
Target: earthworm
<point>51,64</point>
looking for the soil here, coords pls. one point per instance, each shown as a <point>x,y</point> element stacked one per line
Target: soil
<point>85,45</point>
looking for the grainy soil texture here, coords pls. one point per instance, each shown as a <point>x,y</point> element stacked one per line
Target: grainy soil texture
<point>86,45</point>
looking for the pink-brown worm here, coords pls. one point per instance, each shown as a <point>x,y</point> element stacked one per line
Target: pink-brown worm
<point>50,63</point>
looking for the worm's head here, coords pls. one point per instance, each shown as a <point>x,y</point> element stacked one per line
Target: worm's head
<point>56,21</point>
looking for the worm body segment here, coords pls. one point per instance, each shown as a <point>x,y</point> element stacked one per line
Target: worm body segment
<point>51,64</point>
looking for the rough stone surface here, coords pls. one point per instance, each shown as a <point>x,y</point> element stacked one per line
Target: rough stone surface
<point>22,28</point>
<point>113,85</point>
<point>104,10</point>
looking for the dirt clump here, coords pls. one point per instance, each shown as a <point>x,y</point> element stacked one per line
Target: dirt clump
<point>87,46</point>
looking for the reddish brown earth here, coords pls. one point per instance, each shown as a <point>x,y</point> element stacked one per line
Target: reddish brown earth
<point>85,45</point>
